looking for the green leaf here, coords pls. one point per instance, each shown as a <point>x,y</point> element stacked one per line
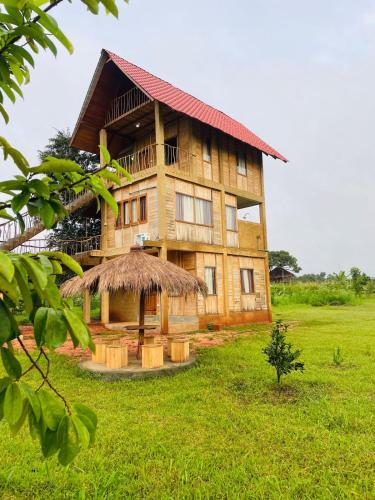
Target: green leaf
<point>52,410</point>
<point>77,327</point>
<point>10,290</point>
<point>34,428</point>
<point>40,320</point>
<point>22,281</point>
<point>105,153</point>
<point>11,363</point>
<point>50,443</point>
<point>32,398</point>
<point>14,428</point>
<point>82,432</point>
<point>40,188</point>
<point>37,274</point>
<point>13,404</point>
<point>66,260</point>
<point>5,324</point>
<point>52,293</point>
<point>51,25</point>
<point>55,329</point>
<point>110,176</point>
<point>68,441</point>
<point>6,266</point>
<point>46,264</point>
<point>121,170</point>
<point>89,419</point>
<point>19,201</point>
<point>4,114</point>
<point>52,165</point>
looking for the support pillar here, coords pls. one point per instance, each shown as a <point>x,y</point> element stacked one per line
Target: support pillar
<point>164,302</point>
<point>86,306</point>
<point>262,216</point>
<point>104,305</point>
<point>103,205</point>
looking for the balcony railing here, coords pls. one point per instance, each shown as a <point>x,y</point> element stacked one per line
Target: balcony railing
<point>146,158</point>
<point>125,104</point>
<point>71,247</point>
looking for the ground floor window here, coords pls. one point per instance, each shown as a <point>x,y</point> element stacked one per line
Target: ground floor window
<point>210,279</point>
<point>247,281</point>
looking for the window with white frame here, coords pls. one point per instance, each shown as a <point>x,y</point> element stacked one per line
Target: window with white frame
<point>194,210</point>
<point>247,281</point>
<point>210,279</point>
<point>231,216</point>
<point>241,163</point>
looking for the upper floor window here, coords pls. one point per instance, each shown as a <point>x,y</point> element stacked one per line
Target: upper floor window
<point>194,210</point>
<point>210,279</point>
<point>241,163</point>
<point>247,281</point>
<point>171,151</point>
<point>132,211</point>
<point>231,217</point>
<point>207,149</point>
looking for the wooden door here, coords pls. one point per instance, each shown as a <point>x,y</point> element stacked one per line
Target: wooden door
<point>151,303</point>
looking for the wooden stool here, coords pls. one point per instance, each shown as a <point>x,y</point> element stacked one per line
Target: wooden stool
<point>170,339</point>
<point>180,350</point>
<point>149,340</point>
<point>116,356</point>
<point>100,352</point>
<point>152,356</point>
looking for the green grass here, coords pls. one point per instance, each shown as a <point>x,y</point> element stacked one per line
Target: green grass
<point>313,294</point>
<point>223,429</point>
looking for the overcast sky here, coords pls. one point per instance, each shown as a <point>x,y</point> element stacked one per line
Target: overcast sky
<point>300,74</point>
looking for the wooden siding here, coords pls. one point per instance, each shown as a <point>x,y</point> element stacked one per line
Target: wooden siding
<point>183,306</point>
<point>250,235</point>
<point>125,237</point>
<point>246,302</point>
<point>212,304</point>
<point>185,231</point>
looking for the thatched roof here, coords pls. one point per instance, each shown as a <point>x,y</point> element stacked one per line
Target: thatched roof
<point>136,272</point>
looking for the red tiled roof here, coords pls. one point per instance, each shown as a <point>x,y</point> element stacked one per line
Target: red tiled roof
<point>182,102</point>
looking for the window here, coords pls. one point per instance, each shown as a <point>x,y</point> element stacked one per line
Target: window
<point>210,279</point>
<point>231,213</point>
<point>241,163</point>
<point>171,151</point>
<point>118,220</point>
<point>194,210</point>
<point>207,149</point>
<point>134,211</point>
<point>203,212</point>
<point>142,209</point>
<point>247,281</point>
<point>184,207</point>
<point>126,213</point>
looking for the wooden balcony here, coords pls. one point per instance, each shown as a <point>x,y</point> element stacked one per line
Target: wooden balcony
<point>250,235</point>
<point>145,159</point>
<point>125,104</point>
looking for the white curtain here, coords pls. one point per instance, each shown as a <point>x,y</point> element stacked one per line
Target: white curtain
<point>231,213</point>
<point>241,164</point>
<point>210,279</point>
<point>184,207</point>
<point>247,281</point>
<point>203,212</point>
<point>134,211</point>
<point>126,213</point>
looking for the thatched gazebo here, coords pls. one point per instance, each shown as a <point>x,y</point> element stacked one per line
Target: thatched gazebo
<point>139,273</point>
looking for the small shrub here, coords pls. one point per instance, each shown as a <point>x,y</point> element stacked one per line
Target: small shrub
<point>337,356</point>
<point>210,327</point>
<point>279,352</point>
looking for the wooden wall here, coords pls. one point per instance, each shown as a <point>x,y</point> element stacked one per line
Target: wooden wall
<point>232,236</point>
<point>246,302</point>
<point>250,235</point>
<point>183,306</point>
<point>212,304</point>
<point>184,231</point>
<point>125,237</point>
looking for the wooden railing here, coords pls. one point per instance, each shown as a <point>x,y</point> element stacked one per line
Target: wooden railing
<point>71,247</point>
<point>125,104</point>
<point>146,158</point>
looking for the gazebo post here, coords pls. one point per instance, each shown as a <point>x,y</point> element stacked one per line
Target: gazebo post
<point>141,338</point>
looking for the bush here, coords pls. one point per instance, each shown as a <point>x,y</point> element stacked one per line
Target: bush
<point>313,294</point>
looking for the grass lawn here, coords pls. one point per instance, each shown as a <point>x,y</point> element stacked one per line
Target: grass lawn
<point>222,429</point>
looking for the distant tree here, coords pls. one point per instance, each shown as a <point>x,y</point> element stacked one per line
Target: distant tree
<point>311,277</point>
<point>81,223</point>
<point>282,258</point>
<point>359,280</point>
<point>279,352</point>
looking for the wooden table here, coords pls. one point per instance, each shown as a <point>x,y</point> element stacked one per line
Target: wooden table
<point>141,329</point>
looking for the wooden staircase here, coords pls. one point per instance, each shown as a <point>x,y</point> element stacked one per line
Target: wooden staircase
<point>11,235</point>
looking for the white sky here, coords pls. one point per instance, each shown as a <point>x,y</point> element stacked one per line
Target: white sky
<point>299,74</point>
